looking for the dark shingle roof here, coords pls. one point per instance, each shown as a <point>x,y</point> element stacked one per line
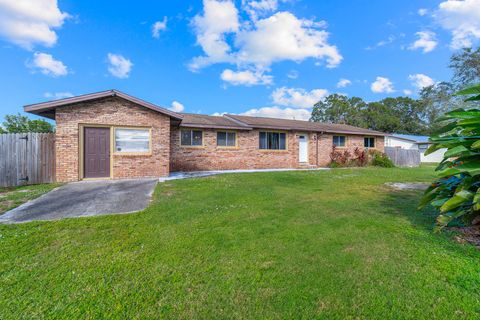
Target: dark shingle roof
<point>204,121</point>
<point>299,125</point>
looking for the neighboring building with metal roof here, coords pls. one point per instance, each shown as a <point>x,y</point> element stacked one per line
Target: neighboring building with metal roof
<point>414,142</point>
<point>110,134</point>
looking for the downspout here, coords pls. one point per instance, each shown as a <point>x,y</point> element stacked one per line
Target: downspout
<point>321,134</point>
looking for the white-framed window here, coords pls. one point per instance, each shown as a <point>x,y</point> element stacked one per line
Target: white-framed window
<point>272,140</point>
<point>132,140</point>
<point>226,139</point>
<point>191,138</point>
<point>339,141</point>
<point>369,142</point>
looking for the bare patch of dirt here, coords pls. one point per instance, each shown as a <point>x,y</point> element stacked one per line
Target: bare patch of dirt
<point>4,205</point>
<point>408,185</point>
<point>467,235</point>
<point>23,190</point>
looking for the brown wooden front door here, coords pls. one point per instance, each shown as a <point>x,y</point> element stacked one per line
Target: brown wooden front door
<point>96,152</point>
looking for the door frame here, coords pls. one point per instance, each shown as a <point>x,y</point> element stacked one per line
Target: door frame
<point>307,139</point>
<point>81,151</point>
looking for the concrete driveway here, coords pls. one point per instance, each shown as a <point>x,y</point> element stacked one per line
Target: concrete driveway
<point>85,198</point>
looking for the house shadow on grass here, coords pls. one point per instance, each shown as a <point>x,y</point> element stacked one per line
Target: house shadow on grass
<point>405,203</point>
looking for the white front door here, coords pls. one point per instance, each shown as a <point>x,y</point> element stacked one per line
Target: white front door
<point>302,148</point>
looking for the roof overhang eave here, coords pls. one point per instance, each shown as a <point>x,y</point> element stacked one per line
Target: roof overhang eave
<point>319,130</point>
<point>47,107</point>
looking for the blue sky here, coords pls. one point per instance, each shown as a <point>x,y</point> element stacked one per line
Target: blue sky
<point>259,57</point>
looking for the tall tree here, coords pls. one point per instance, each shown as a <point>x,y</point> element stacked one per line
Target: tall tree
<point>439,97</point>
<point>378,116</point>
<point>400,115</point>
<point>410,112</point>
<point>396,115</point>
<point>21,124</point>
<point>466,67</point>
<point>337,108</point>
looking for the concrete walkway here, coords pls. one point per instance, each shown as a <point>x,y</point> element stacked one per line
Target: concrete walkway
<point>198,174</point>
<point>85,198</point>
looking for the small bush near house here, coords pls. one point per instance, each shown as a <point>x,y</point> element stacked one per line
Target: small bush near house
<point>360,158</point>
<point>339,158</point>
<point>456,194</point>
<point>379,159</point>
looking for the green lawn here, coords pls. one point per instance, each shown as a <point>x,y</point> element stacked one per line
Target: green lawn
<point>287,245</point>
<point>15,196</point>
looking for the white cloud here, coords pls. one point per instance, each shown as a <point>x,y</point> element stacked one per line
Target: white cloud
<point>259,8</point>
<point>342,83</point>
<point>391,38</point>
<point>422,11</point>
<point>292,74</point>
<point>219,18</point>
<point>177,107</point>
<point>247,77</point>
<point>159,26</point>
<point>57,95</point>
<point>119,66</point>
<point>276,112</point>
<point>382,85</point>
<point>407,92</point>
<point>462,19</point>
<point>258,43</point>
<point>421,81</point>
<point>283,36</point>
<point>29,22</point>
<point>48,65</point>
<point>297,97</point>
<point>426,41</point>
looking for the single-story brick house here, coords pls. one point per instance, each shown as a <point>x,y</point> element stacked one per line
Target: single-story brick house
<point>113,135</point>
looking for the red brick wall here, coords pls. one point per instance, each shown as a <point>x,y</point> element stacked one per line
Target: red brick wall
<point>111,112</point>
<point>167,154</point>
<point>248,156</point>
<point>325,143</point>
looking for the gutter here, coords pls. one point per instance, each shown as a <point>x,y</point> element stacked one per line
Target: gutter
<point>319,136</point>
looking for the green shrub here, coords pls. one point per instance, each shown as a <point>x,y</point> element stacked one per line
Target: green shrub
<point>456,194</point>
<point>339,158</point>
<point>334,165</point>
<point>359,158</point>
<point>381,160</point>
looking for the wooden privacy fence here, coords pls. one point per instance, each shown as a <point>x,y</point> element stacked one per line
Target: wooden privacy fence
<point>27,158</point>
<point>403,157</point>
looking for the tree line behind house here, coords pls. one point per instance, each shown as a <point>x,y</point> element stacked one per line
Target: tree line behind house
<point>405,114</point>
<point>22,124</point>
